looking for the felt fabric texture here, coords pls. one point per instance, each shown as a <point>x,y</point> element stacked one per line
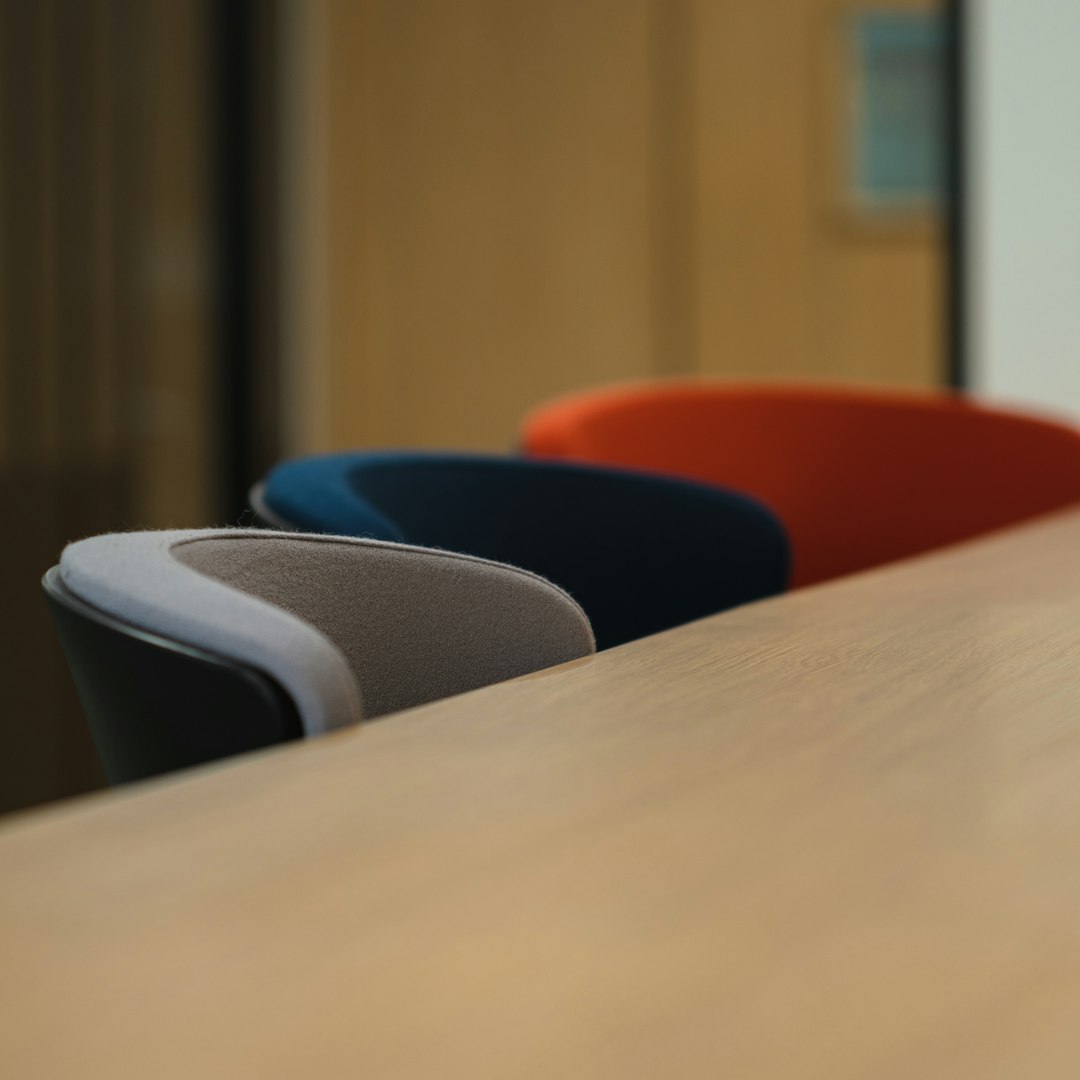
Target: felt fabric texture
<point>640,553</point>
<point>414,625</point>
<point>257,597</point>
<point>135,577</point>
<point>859,477</point>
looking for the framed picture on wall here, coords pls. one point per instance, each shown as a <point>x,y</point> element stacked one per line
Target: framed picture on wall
<point>886,110</point>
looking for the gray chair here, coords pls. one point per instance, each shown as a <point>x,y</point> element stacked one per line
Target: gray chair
<point>190,645</point>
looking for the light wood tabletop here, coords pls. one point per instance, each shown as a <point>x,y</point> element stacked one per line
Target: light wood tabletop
<point>832,835</point>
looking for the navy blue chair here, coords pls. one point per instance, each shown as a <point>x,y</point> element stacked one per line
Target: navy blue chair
<point>639,552</point>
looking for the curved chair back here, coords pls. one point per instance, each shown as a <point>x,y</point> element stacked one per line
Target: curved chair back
<point>189,645</point>
<point>174,705</point>
<point>639,553</point>
<point>859,477</point>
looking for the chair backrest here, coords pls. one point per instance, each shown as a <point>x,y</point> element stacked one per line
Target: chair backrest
<point>859,477</point>
<point>344,628</point>
<point>155,705</point>
<point>639,553</point>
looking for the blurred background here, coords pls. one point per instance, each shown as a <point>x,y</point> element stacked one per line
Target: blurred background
<point>236,230</point>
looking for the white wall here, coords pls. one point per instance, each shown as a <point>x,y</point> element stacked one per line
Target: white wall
<point>1024,214</point>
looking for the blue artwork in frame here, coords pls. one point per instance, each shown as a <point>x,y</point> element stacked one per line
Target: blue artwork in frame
<point>897,145</point>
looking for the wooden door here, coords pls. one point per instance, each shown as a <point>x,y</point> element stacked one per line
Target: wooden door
<point>794,280</point>
<point>497,202</point>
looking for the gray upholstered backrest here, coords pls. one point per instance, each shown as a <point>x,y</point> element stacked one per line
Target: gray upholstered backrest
<point>349,627</point>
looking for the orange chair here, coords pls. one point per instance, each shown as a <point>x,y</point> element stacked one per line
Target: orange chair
<point>859,477</point>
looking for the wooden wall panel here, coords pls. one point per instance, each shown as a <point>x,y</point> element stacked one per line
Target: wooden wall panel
<point>500,202</point>
<point>793,284</point>
<point>753,138</point>
<point>489,201</point>
<point>879,289</point>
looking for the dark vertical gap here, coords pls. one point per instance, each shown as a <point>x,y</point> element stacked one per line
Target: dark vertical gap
<point>46,128</point>
<point>73,121</point>
<point>265,200</point>
<point>956,282</point>
<point>76,483</point>
<point>128,33</point>
<point>23,34</point>
<point>233,179</point>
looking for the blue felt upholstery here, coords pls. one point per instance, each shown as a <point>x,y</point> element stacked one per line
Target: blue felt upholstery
<point>640,553</point>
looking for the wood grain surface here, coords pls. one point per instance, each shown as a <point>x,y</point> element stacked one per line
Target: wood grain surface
<point>489,204</point>
<point>832,835</point>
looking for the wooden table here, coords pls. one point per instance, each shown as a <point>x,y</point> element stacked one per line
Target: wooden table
<point>833,835</point>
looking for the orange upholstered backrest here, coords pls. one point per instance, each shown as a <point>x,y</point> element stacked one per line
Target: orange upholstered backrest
<point>859,477</point>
